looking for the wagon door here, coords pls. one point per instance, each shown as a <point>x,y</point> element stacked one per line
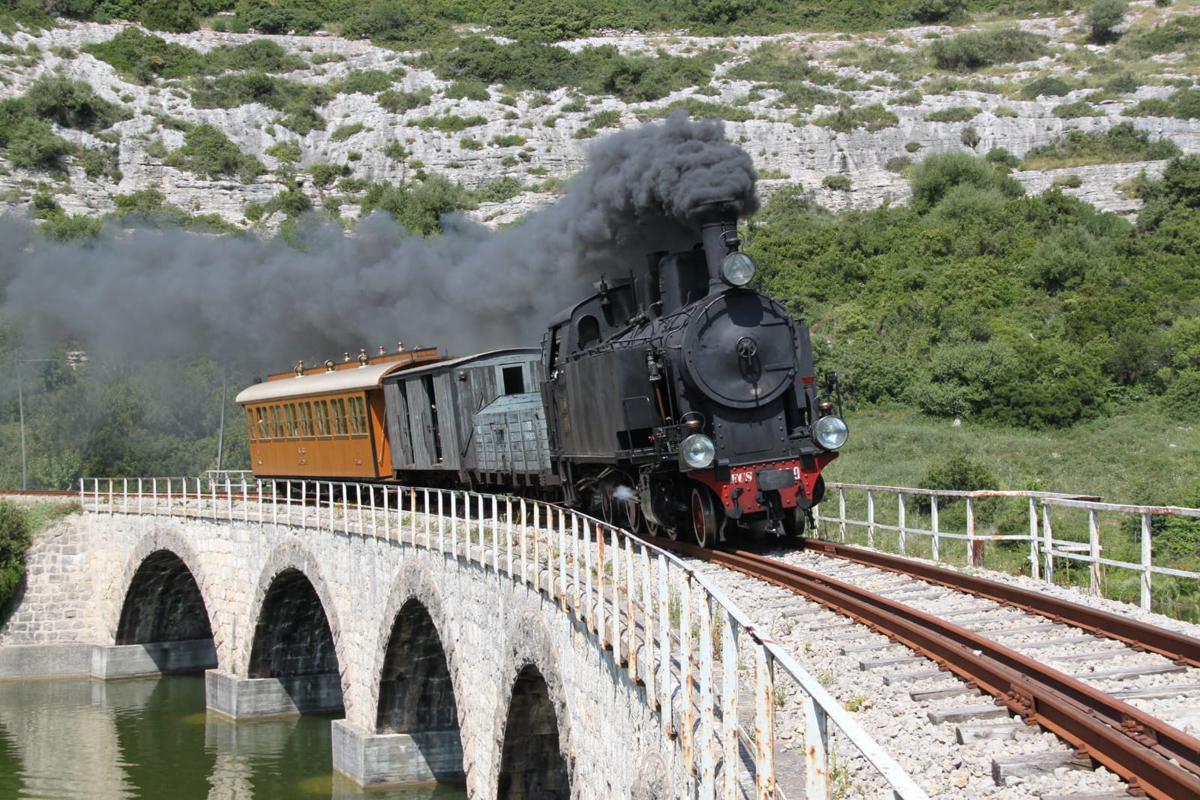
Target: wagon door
<point>420,425</point>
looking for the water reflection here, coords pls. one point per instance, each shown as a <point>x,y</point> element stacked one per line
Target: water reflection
<point>151,738</point>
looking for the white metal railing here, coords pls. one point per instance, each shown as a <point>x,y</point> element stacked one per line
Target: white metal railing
<point>1043,547</point>
<point>666,624</point>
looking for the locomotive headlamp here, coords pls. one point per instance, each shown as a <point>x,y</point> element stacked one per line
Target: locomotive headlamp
<point>830,432</point>
<point>737,269</point>
<point>697,451</point>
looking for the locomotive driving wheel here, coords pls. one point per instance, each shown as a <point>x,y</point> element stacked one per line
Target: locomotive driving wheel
<point>706,519</point>
<point>794,521</point>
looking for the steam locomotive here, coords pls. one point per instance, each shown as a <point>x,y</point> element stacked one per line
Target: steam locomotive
<point>674,399</point>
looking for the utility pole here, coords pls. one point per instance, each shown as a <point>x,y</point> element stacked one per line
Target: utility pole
<point>221,435</point>
<point>21,412</point>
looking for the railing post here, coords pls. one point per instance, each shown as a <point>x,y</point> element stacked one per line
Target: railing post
<point>1034,566</point>
<point>648,623</point>
<point>562,560</point>
<point>139,491</point>
<point>169,498</point>
<point>589,609</point>
<point>842,512</point>
<point>602,630</point>
<point>933,524</point>
<point>229,497</point>
<point>1048,540</point>
<point>412,514</point>
<point>575,563</point>
<point>425,512</point>
<point>685,673</point>
<point>482,532</point>
<point>387,514</point>
<point>537,547</point>
<point>616,601</point>
<point>441,528</point>
<point>508,532</point>
<point>870,517</point>
<point>524,536</point>
<point>764,727</point>
<point>246,503</point>
<point>664,645</point>
<point>901,525</point>
<point>816,749</point>
<point>358,502</point>
<point>304,505</point>
<point>454,522</point>
<point>495,534</point>
<point>970,530</point>
<point>1147,574</point>
<point>124,495</point>
<point>374,520</point>
<point>729,701</point>
<point>708,766</point>
<point>1094,576</point>
<point>631,619</point>
<point>82,505</point>
<point>212,489</point>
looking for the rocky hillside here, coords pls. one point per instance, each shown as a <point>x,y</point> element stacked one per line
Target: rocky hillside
<point>324,120</point>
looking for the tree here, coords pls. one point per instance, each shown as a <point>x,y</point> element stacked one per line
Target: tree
<point>1103,17</point>
<point>970,137</point>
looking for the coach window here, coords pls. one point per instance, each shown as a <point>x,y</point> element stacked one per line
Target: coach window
<point>339,416</point>
<point>321,408</point>
<point>276,422</point>
<point>291,429</point>
<point>514,379</point>
<point>249,425</point>
<point>358,416</point>
<point>306,419</point>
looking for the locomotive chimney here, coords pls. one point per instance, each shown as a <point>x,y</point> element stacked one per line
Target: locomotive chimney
<point>718,228</point>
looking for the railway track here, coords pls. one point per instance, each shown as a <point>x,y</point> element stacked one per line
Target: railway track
<point>996,647</point>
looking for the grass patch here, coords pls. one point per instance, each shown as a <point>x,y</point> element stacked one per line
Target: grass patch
<point>839,183</point>
<point>1081,108</point>
<point>297,101</point>
<point>449,123</point>
<point>906,64</point>
<point>344,132</point>
<point>1120,143</point>
<point>145,57</point>
<point>699,109</point>
<point>366,81</point>
<point>789,72</point>
<point>1178,34</point>
<point>399,102</point>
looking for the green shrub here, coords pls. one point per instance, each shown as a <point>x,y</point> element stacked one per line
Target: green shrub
<point>508,140</point>
<point>69,228</point>
<point>1181,400</point>
<point>297,101</point>
<point>396,151</point>
<point>325,174</point>
<point>1067,182</point>
<point>144,57</point>
<point>398,102</point>
<point>344,132</point>
<point>254,212</point>
<point>609,118</point>
<point>1080,108</point>
<point>1121,142</point>
<point>419,208</point>
<point>170,15</point>
<point>470,143</point>
<point>286,152</point>
<point>912,97</point>
<point>912,147</point>
<point>100,162</point>
<point>291,201</point>
<point>72,104</point>
<point>1180,33</point>
<point>839,183</point>
<point>207,151</point>
<point>467,90</point>
<point>276,19</point>
<point>1047,86</point>
<point>33,144</point>
<point>1184,104</point>
<point>1001,155</point>
<point>365,81</point>
<point>934,177</point>
<point>699,109</point>
<point>898,164</point>
<point>970,137</point>
<point>978,49</point>
<point>499,190</point>
<point>873,117</point>
<point>954,114</point>
<point>16,535</point>
<point>449,123</point>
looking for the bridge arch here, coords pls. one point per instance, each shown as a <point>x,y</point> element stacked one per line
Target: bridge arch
<point>163,591</point>
<point>296,628</point>
<point>533,731</point>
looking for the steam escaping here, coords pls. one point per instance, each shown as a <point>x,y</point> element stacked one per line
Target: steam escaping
<point>625,494</point>
<point>263,305</point>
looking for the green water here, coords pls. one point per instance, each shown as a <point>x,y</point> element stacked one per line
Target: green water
<point>151,738</point>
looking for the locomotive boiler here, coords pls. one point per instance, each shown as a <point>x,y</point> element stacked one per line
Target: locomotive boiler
<point>680,399</point>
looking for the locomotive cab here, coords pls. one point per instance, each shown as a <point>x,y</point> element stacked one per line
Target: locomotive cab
<point>679,398</point>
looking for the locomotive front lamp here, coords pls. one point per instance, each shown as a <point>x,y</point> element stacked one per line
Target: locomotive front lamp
<point>830,432</point>
<point>697,451</point>
<point>737,269</point>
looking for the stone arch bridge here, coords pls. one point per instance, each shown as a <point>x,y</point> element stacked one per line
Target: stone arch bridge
<point>467,642</point>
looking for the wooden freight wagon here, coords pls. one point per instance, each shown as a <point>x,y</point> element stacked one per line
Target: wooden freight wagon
<point>328,422</point>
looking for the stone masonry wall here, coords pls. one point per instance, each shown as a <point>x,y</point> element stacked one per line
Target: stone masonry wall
<point>489,626</point>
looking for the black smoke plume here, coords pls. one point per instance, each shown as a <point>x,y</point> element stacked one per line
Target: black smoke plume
<point>264,305</point>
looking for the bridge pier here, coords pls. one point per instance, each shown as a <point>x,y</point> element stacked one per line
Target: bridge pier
<point>110,662</point>
<point>257,698</point>
<point>383,759</point>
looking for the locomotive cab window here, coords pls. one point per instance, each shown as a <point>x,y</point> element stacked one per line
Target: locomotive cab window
<point>514,379</point>
<point>587,332</point>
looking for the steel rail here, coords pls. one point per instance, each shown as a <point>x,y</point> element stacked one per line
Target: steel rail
<point>1182,649</point>
<point>1146,752</point>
